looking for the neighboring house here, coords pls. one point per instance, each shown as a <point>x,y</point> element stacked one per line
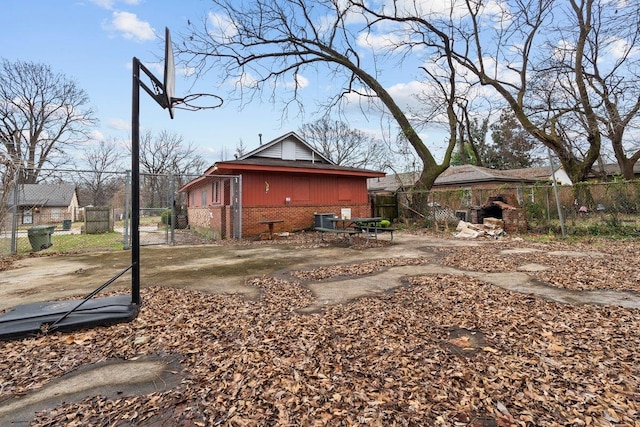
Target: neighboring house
<point>45,203</point>
<point>390,184</point>
<point>469,178</point>
<point>284,180</point>
<point>600,172</point>
<point>466,176</point>
<point>477,177</point>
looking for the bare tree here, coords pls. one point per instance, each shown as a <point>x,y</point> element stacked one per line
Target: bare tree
<point>162,156</point>
<point>98,186</point>
<point>612,72</point>
<point>7,182</point>
<point>264,46</point>
<point>241,149</point>
<point>541,57</point>
<point>42,115</point>
<point>344,145</point>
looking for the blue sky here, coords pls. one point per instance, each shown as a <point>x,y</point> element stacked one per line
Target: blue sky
<point>94,41</point>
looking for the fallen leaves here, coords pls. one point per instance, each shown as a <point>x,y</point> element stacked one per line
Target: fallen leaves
<point>577,266</point>
<point>393,359</point>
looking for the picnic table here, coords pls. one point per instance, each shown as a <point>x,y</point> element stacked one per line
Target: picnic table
<point>364,222</point>
<point>346,228</point>
<point>351,226</point>
<point>270,223</point>
<point>371,227</point>
<point>355,222</point>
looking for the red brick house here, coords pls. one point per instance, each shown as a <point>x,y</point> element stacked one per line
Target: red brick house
<point>285,180</point>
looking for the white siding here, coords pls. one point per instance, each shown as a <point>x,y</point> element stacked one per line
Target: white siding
<point>303,153</point>
<point>289,149</point>
<point>274,152</point>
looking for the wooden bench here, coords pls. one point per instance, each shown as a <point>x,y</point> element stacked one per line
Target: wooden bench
<point>374,230</point>
<point>348,232</point>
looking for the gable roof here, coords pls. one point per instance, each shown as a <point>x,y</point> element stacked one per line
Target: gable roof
<point>47,195</point>
<point>535,174</point>
<point>286,154</point>
<point>460,175</point>
<point>612,169</point>
<point>289,146</point>
<point>468,174</point>
<point>394,182</point>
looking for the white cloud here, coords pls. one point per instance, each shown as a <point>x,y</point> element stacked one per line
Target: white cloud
<point>96,135</point>
<point>109,4</point>
<point>299,82</point>
<point>380,41</point>
<point>246,80</point>
<point>348,13</point>
<point>131,27</point>
<point>119,124</point>
<point>404,93</point>
<point>105,4</point>
<point>186,71</point>
<point>618,48</point>
<point>426,8</point>
<point>156,67</point>
<point>222,27</point>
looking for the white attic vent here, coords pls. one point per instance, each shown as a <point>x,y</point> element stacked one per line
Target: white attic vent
<point>288,150</point>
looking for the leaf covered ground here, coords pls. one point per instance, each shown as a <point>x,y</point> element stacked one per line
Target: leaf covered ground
<point>438,350</point>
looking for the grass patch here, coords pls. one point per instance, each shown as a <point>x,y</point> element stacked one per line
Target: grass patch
<point>76,243</point>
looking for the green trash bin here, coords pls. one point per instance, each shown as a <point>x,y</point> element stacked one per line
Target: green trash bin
<point>40,237</point>
<point>66,224</point>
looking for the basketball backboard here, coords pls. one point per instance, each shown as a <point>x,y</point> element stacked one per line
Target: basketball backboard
<point>169,82</point>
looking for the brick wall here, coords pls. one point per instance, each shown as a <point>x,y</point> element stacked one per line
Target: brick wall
<point>217,220</point>
<point>515,220</point>
<point>295,217</point>
<point>214,221</point>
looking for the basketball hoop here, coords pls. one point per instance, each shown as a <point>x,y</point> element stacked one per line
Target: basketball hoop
<point>197,101</point>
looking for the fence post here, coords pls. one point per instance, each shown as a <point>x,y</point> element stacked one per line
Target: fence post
<point>14,217</point>
<point>555,189</point>
<point>127,197</point>
<point>172,220</point>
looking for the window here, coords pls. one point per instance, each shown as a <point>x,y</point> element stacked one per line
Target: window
<point>203,199</point>
<point>27,216</point>
<point>216,191</point>
<point>56,213</point>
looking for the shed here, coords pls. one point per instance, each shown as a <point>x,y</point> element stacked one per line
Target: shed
<point>285,179</point>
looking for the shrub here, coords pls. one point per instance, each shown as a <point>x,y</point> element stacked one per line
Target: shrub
<point>165,217</point>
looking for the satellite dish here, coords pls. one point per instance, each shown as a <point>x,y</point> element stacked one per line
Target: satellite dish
<point>169,83</point>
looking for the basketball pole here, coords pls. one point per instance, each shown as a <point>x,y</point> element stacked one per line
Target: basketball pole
<point>162,93</point>
<point>161,97</point>
<point>135,184</point>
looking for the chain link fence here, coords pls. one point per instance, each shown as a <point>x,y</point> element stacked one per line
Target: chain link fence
<point>611,208</point>
<point>89,211</point>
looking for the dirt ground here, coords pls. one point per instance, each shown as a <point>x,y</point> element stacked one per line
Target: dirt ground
<point>595,268</point>
<point>214,268</point>
<point>425,330</point>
